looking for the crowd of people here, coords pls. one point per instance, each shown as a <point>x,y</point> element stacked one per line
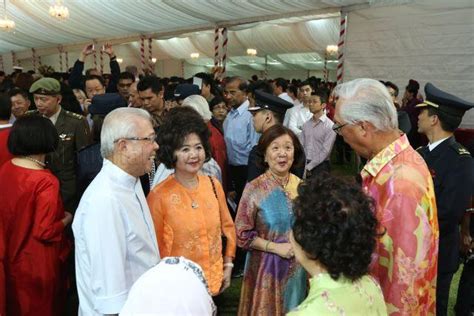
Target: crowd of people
<point>136,194</point>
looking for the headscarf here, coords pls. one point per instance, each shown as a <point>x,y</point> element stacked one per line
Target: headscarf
<point>200,104</point>
<point>175,286</point>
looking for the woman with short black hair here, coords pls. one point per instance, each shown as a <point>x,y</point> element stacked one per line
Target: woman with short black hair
<point>333,237</point>
<point>33,247</point>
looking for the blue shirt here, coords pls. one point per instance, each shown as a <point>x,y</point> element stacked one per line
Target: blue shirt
<point>239,135</point>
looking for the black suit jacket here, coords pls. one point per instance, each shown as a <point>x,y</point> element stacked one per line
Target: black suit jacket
<point>451,167</point>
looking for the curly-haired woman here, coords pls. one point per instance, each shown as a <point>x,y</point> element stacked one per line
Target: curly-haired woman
<point>333,238</point>
<point>189,209</point>
<point>274,283</point>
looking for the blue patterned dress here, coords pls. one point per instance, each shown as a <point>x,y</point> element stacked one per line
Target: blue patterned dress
<point>272,285</point>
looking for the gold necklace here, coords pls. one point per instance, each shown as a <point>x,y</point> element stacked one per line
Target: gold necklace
<point>280,182</point>
<point>42,164</point>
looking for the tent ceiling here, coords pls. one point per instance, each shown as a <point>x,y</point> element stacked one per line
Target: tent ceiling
<point>124,20</point>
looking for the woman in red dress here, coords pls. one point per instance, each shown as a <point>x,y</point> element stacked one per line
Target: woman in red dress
<point>33,247</point>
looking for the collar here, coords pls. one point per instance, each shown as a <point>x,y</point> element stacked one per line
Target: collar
<point>242,108</point>
<point>54,117</point>
<point>435,144</point>
<point>119,175</point>
<point>380,160</point>
<point>322,119</point>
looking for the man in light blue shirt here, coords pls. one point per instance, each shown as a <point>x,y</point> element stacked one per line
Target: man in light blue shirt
<point>239,134</point>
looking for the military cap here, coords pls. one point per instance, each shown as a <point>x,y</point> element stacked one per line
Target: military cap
<point>47,86</point>
<point>105,103</point>
<point>184,90</point>
<point>267,101</point>
<point>444,102</point>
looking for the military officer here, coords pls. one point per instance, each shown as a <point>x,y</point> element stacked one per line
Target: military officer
<point>73,133</point>
<point>450,165</point>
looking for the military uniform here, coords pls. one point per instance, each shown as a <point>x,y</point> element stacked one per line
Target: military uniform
<point>74,133</point>
<point>451,168</point>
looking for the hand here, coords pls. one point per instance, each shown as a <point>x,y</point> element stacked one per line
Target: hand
<point>87,50</point>
<point>284,250</point>
<point>107,48</point>
<point>466,241</point>
<point>86,104</point>
<point>226,279</point>
<point>232,195</point>
<point>67,218</point>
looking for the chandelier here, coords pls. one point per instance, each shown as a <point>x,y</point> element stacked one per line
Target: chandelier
<point>6,24</point>
<point>59,11</point>
<point>251,52</point>
<point>194,55</point>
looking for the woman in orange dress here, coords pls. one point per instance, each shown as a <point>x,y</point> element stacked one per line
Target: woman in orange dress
<point>189,209</point>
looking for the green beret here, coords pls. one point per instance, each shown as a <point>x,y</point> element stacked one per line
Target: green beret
<point>48,86</point>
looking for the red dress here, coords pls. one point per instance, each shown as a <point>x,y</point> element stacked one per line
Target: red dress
<point>218,150</point>
<point>5,155</point>
<point>33,247</point>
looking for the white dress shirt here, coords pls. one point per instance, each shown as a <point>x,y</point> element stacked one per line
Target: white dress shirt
<point>115,240</point>
<point>435,144</point>
<point>295,118</point>
<point>286,97</point>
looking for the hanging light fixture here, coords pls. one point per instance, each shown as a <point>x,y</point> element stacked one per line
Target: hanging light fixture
<point>153,60</point>
<point>59,11</point>
<point>251,52</point>
<point>6,24</point>
<point>194,55</point>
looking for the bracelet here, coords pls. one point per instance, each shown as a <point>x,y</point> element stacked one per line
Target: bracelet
<point>266,245</point>
<point>229,264</point>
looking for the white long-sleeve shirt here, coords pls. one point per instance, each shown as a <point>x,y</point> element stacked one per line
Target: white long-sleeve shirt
<point>295,117</point>
<point>115,240</point>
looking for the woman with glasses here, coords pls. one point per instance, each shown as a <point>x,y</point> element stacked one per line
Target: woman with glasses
<point>188,208</point>
<point>274,283</point>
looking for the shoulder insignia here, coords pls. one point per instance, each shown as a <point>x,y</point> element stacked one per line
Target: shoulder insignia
<point>31,112</point>
<point>74,115</point>
<point>460,149</point>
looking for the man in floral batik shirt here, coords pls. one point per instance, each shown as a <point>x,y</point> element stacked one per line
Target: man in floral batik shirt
<point>397,178</point>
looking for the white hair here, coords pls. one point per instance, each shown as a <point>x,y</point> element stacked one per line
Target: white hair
<point>200,104</point>
<point>367,100</point>
<point>120,123</point>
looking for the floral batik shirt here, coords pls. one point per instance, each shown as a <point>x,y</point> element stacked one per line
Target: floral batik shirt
<point>406,254</point>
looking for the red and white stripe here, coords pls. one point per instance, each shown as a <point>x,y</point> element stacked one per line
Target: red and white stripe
<point>340,49</point>
<point>13,58</point>
<point>101,61</point>
<point>66,57</point>
<point>33,57</point>
<point>224,51</point>
<point>216,47</point>
<point>150,54</point>
<point>142,52</point>
<point>95,55</point>
<point>60,50</point>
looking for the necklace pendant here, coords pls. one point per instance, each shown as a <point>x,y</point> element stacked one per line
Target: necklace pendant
<point>194,205</point>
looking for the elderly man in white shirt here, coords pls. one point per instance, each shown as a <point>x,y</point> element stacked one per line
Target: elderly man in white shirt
<point>114,235</point>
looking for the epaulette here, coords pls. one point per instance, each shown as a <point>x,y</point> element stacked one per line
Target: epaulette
<point>31,112</point>
<point>74,115</point>
<point>460,149</point>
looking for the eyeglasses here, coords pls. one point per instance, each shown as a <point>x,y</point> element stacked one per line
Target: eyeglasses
<point>337,128</point>
<point>150,139</point>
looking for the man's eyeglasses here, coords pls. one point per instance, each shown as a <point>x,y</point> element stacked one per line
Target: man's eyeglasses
<point>337,128</point>
<point>150,139</point>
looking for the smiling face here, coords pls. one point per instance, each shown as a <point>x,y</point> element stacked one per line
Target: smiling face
<point>20,105</point>
<point>140,153</point>
<point>190,156</point>
<point>279,155</point>
<point>94,87</point>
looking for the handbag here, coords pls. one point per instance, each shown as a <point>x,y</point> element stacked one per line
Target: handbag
<point>224,239</point>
